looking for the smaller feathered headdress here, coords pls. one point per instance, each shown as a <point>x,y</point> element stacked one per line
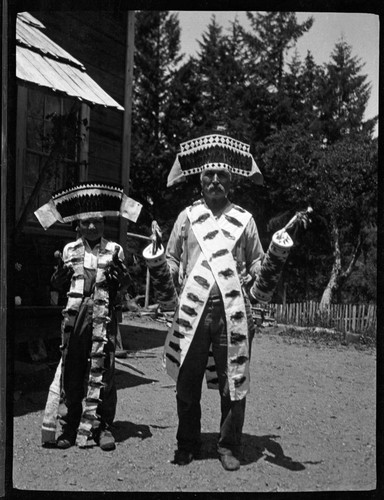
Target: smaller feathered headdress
<point>88,199</point>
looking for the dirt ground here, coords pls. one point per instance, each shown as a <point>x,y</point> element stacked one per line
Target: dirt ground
<point>310,426</point>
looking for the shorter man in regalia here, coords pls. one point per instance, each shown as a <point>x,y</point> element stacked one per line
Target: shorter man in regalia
<point>91,270</point>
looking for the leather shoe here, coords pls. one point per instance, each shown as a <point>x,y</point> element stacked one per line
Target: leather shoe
<point>183,457</point>
<point>229,462</point>
<point>66,440</point>
<point>107,441</point>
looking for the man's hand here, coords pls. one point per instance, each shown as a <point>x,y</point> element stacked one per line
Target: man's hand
<point>245,280</point>
<point>61,278</point>
<point>116,273</point>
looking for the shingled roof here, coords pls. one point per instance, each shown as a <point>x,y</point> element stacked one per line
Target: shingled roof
<point>40,61</point>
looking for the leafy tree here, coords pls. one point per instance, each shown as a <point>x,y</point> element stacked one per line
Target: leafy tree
<point>340,183</point>
<point>348,179</point>
<point>361,285</point>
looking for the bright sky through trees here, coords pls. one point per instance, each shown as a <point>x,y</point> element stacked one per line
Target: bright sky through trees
<point>359,30</point>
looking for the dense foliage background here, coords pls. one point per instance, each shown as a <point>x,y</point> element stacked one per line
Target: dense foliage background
<point>304,122</point>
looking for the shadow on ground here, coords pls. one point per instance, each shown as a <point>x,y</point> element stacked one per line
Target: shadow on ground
<point>30,393</point>
<point>254,448</point>
<point>123,430</point>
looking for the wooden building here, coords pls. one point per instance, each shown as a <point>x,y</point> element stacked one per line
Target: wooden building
<point>73,124</point>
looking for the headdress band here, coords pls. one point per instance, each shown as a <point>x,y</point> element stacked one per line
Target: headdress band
<point>214,151</point>
<point>89,199</point>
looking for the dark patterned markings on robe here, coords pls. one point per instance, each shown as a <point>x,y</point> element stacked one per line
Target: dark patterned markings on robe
<point>76,260</point>
<point>228,235</point>
<point>239,209</point>
<point>198,202</point>
<point>95,338</point>
<point>101,319</point>
<point>71,312</point>
<point>88,416</point>
<point>227,273</point>
<point>236,338</point>
<point>76,245</point>
<point>201,281</point>
<point>74,295</point>
<point>100,302</point>
<point>220,253</point>
<point>104,285</point>
<point>171,358</point>
<point>97,354</point>
<point>184,323</point>
<point>240,381</point>
<point>194,298</point>
<point>188,310</point>
<point>237,316</point>
<point>97,384</point>
<point>214,381</point>
<point>233,293</point>
<point>211,368</point>
<point>201,219</point>
<point>174,346</point>
<point>84,432</point>
<point>93,400</point>
<point>233,221</point>
<point>205,264</point>
<point>96,370</point>
<point>178,335</point>
<point>240,360</point>
<point>210,235</point>
<point>77,277</point>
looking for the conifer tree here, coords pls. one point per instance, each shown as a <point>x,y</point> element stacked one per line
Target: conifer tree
<point>157,56</point>
<point>344,94</point>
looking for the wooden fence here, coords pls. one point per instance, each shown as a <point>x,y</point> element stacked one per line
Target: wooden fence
<point>342,317</point>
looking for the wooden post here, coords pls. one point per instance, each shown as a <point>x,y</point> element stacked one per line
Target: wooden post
<point>284,313</point>
<point>147,285</point>
<point>84,144</point>
<point>148,277</point>
<point>127,124</point>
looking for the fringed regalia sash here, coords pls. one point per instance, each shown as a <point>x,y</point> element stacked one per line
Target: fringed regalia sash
<point>216,238</point>
<point>100,320</point>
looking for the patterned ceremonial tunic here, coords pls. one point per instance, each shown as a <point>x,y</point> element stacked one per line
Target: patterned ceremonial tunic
<point>88,279</point>
<point>207,255</point>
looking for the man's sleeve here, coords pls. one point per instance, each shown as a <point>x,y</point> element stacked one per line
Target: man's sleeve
<point>65,253</point>
<point>175,247</point>
<point>254,252</point>
<point>121,253</point>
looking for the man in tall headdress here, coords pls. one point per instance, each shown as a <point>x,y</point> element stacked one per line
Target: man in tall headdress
<point>213,250</point>
<point>92,271</point>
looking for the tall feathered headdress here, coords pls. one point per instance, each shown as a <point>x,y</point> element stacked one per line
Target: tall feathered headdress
<point>214,150</point>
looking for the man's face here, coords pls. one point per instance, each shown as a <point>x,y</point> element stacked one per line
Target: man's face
<point>92,229</point>
<point>215,183</point>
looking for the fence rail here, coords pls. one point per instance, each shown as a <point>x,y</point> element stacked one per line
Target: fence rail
<point>342,317</point>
